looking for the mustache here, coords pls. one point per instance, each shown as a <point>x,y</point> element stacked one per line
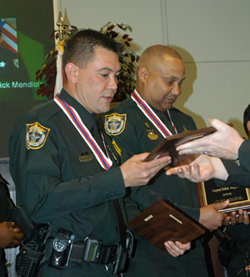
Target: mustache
<point>111,92</point>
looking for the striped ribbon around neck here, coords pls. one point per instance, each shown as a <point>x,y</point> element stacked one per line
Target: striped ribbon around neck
<point>104,161</point>
<point>151,115</point>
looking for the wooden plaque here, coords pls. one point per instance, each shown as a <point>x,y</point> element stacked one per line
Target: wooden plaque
<point>162,222</point>
<point>209,192</point>
<point>168,146</point>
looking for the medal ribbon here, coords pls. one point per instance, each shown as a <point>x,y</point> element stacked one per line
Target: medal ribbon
<point>75,119</point>
<point>151,115</point>
<point>168,112</point>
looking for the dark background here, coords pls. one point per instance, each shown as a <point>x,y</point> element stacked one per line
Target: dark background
<point>35,20</point>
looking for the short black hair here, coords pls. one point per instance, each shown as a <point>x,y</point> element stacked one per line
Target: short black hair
<point>80,47</point>
<point>246,117</point>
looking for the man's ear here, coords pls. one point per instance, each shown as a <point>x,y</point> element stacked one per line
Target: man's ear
<point>248,127</point>
<point>71,71</point>
<point>143,74</point>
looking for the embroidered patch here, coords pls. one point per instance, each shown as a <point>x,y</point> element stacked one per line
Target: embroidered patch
<point>36,135</point>
<point>115,123</point>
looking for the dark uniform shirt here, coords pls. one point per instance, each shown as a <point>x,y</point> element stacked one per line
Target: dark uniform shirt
<point>135,134</point>
<point>55,186</point>
<point>239,176</point>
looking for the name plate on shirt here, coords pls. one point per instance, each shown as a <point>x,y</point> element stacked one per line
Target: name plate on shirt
<point>168,146</point>
<point>209,192</point>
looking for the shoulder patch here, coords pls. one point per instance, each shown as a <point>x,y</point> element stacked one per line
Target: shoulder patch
<point>115,123</point>
<point>36,135</point>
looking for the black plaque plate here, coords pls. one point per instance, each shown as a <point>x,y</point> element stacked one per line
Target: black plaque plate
<point>209,192</point>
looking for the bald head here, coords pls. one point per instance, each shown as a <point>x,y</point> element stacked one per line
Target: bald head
<point>160,73</point>
<point>154,54</point>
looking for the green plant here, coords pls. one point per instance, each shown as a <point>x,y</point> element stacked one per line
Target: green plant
<point>127,59</point>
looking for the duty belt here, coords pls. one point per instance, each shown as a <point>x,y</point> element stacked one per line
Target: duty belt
<point>102,254</point>
<point>91,250</point>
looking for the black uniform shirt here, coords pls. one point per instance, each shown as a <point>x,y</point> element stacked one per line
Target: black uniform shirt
<point>51,181</point>
<point>139,135</point>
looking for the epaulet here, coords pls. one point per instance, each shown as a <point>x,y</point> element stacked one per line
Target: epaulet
<point>46,110</point>
<point>123,106</point>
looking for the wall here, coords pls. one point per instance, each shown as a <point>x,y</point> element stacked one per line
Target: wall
<point>212,37</point>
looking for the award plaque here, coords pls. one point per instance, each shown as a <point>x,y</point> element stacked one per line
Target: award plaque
<point>209,192</point>
<point>162,221</point>
<point>168,146</point>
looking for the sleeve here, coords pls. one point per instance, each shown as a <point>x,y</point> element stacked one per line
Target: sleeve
<point>244,155</point>
<point>47,181</point>
<point>237,175</point>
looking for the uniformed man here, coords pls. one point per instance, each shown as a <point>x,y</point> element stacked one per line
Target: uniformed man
<point>8,62</point>
<point>62,169</point>
<point>239,264</point>
<point>139,124</point>
<point>234,174</point>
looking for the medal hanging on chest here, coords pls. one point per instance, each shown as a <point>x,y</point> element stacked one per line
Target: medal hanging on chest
<point>151,115</point>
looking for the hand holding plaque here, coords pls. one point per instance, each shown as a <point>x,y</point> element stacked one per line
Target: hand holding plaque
<point>168,146</point>
<point>209,192</point>
<point>162,221</point>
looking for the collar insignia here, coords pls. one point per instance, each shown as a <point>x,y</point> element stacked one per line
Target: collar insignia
<point>185,129</point>
<point>151,133</point>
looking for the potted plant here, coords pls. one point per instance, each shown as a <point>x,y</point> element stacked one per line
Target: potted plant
<point>128,59</point>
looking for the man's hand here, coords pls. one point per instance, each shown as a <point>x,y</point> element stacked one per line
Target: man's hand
<point>224,143</point>
<point>241,217</point>
<point>135,172</point>
<point>10,235</point>
<point>201,169</point>
<point>210,217</point>
<point>176,248</point>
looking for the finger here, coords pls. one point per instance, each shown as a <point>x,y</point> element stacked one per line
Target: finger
<point>172,171</point>
<point>16,230</point>
<point>141,157</point>
<point>240,217</point>
<point>175,170</point>
<point>169,247</point>
<point>192,172</point>
<point>221,205</point>
<point>175,249</point>
<point>217,124</point>
<point>233,219</point>
<point>183,246</point>
<point>246,218</point>
<point>156,165</point>
<point>227,221</point>
<point>10,224</point>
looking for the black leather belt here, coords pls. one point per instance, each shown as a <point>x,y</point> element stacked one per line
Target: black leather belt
<point>80,252</point>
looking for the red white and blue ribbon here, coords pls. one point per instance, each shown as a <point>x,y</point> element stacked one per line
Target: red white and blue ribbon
<point>75,119</point>
<point>151,115</point>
